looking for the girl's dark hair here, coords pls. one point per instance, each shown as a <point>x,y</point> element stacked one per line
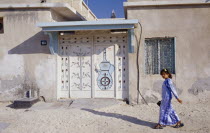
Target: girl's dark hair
<point>167,72</point>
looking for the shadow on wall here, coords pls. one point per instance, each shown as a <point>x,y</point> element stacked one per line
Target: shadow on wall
<point>200,86</point>
<point>32,45</point>
<point>156,92</point>
<point>151,94</point>
<point>157,87</point>
<point>123,117</point>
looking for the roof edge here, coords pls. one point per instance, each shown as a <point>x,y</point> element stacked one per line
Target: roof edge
<point>34,5</point>
<point>165,3</point>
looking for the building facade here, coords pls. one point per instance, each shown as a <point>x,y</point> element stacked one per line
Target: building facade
<point>175,35</point>
<point>92,57</point>
<point>59,50</point>
<point>26,65</point>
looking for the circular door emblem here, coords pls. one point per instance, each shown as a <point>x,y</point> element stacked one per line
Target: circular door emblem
<point>105,81</point>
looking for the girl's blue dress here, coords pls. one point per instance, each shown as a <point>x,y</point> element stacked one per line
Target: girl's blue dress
<point>168,115</point>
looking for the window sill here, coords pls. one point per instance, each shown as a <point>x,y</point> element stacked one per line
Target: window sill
<point>155,75</point>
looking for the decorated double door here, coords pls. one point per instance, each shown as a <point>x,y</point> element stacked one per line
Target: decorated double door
<point>92,66</point>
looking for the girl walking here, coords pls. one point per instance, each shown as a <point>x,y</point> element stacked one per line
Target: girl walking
<point>168,115</point>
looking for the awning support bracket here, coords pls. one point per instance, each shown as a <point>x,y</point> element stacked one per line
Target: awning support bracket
<point>53,46</point>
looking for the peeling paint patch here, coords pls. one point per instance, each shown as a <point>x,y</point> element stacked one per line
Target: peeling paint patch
<point>11,77</point>
<point>11,65</point>
<point>9,84</point>
<point>200,86</point>
<point>12,93</point>
<point>17,88</point>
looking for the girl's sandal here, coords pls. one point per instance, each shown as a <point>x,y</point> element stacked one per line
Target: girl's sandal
<point>178,125</point>
<point>158,126</point>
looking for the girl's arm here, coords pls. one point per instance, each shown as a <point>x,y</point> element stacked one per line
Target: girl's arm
<point>172,88</point>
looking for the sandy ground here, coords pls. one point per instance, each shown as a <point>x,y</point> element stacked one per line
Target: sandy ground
<point>100,116</point>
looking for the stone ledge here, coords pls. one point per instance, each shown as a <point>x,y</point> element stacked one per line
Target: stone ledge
<point>34,5</point>
<point>62,8</point>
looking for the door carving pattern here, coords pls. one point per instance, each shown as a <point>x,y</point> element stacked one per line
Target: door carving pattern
<point>80,64</point>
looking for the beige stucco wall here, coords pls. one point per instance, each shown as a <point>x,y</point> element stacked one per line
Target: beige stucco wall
<point>80,6</point>
<point>24,63</point>
<point>190,25</point>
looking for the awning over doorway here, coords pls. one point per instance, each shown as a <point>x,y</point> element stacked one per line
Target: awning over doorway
<point>53,28</point>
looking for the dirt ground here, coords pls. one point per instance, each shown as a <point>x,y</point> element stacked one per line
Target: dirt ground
<point>100,116</point>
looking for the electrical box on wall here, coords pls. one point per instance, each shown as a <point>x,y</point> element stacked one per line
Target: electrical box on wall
<point>43,42</point>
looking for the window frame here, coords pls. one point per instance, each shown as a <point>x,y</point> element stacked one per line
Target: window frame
<point>2,20</point>
<point>145,54</point>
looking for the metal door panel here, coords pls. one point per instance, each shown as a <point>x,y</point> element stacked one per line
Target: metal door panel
<point>80,71</point>
<point>104,71</point>
<point>93,66</point>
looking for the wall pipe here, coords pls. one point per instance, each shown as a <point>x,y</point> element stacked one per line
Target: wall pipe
<point>137,64</point>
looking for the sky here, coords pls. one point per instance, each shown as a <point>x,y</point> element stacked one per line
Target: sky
<point>103,8</point>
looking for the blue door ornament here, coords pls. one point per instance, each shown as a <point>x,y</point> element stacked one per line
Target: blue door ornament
<point>104,79</point>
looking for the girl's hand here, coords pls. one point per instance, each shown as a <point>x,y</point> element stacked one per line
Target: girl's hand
<point>179,100</point>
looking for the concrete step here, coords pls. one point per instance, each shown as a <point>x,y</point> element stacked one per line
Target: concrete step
<point>25,102</point>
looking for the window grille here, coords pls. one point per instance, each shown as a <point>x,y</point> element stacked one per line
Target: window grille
<point>160,54</point>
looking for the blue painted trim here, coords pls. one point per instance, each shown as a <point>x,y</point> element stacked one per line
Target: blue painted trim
<point>53,46</point>
<point>88,27</point>
<point>52,28</point>
<point>88,23</point>
<point>131,41</point>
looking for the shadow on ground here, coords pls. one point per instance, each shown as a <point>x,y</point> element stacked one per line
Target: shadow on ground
<point>3,126</point>
<point>11,105</point>
<point>123,117</point>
